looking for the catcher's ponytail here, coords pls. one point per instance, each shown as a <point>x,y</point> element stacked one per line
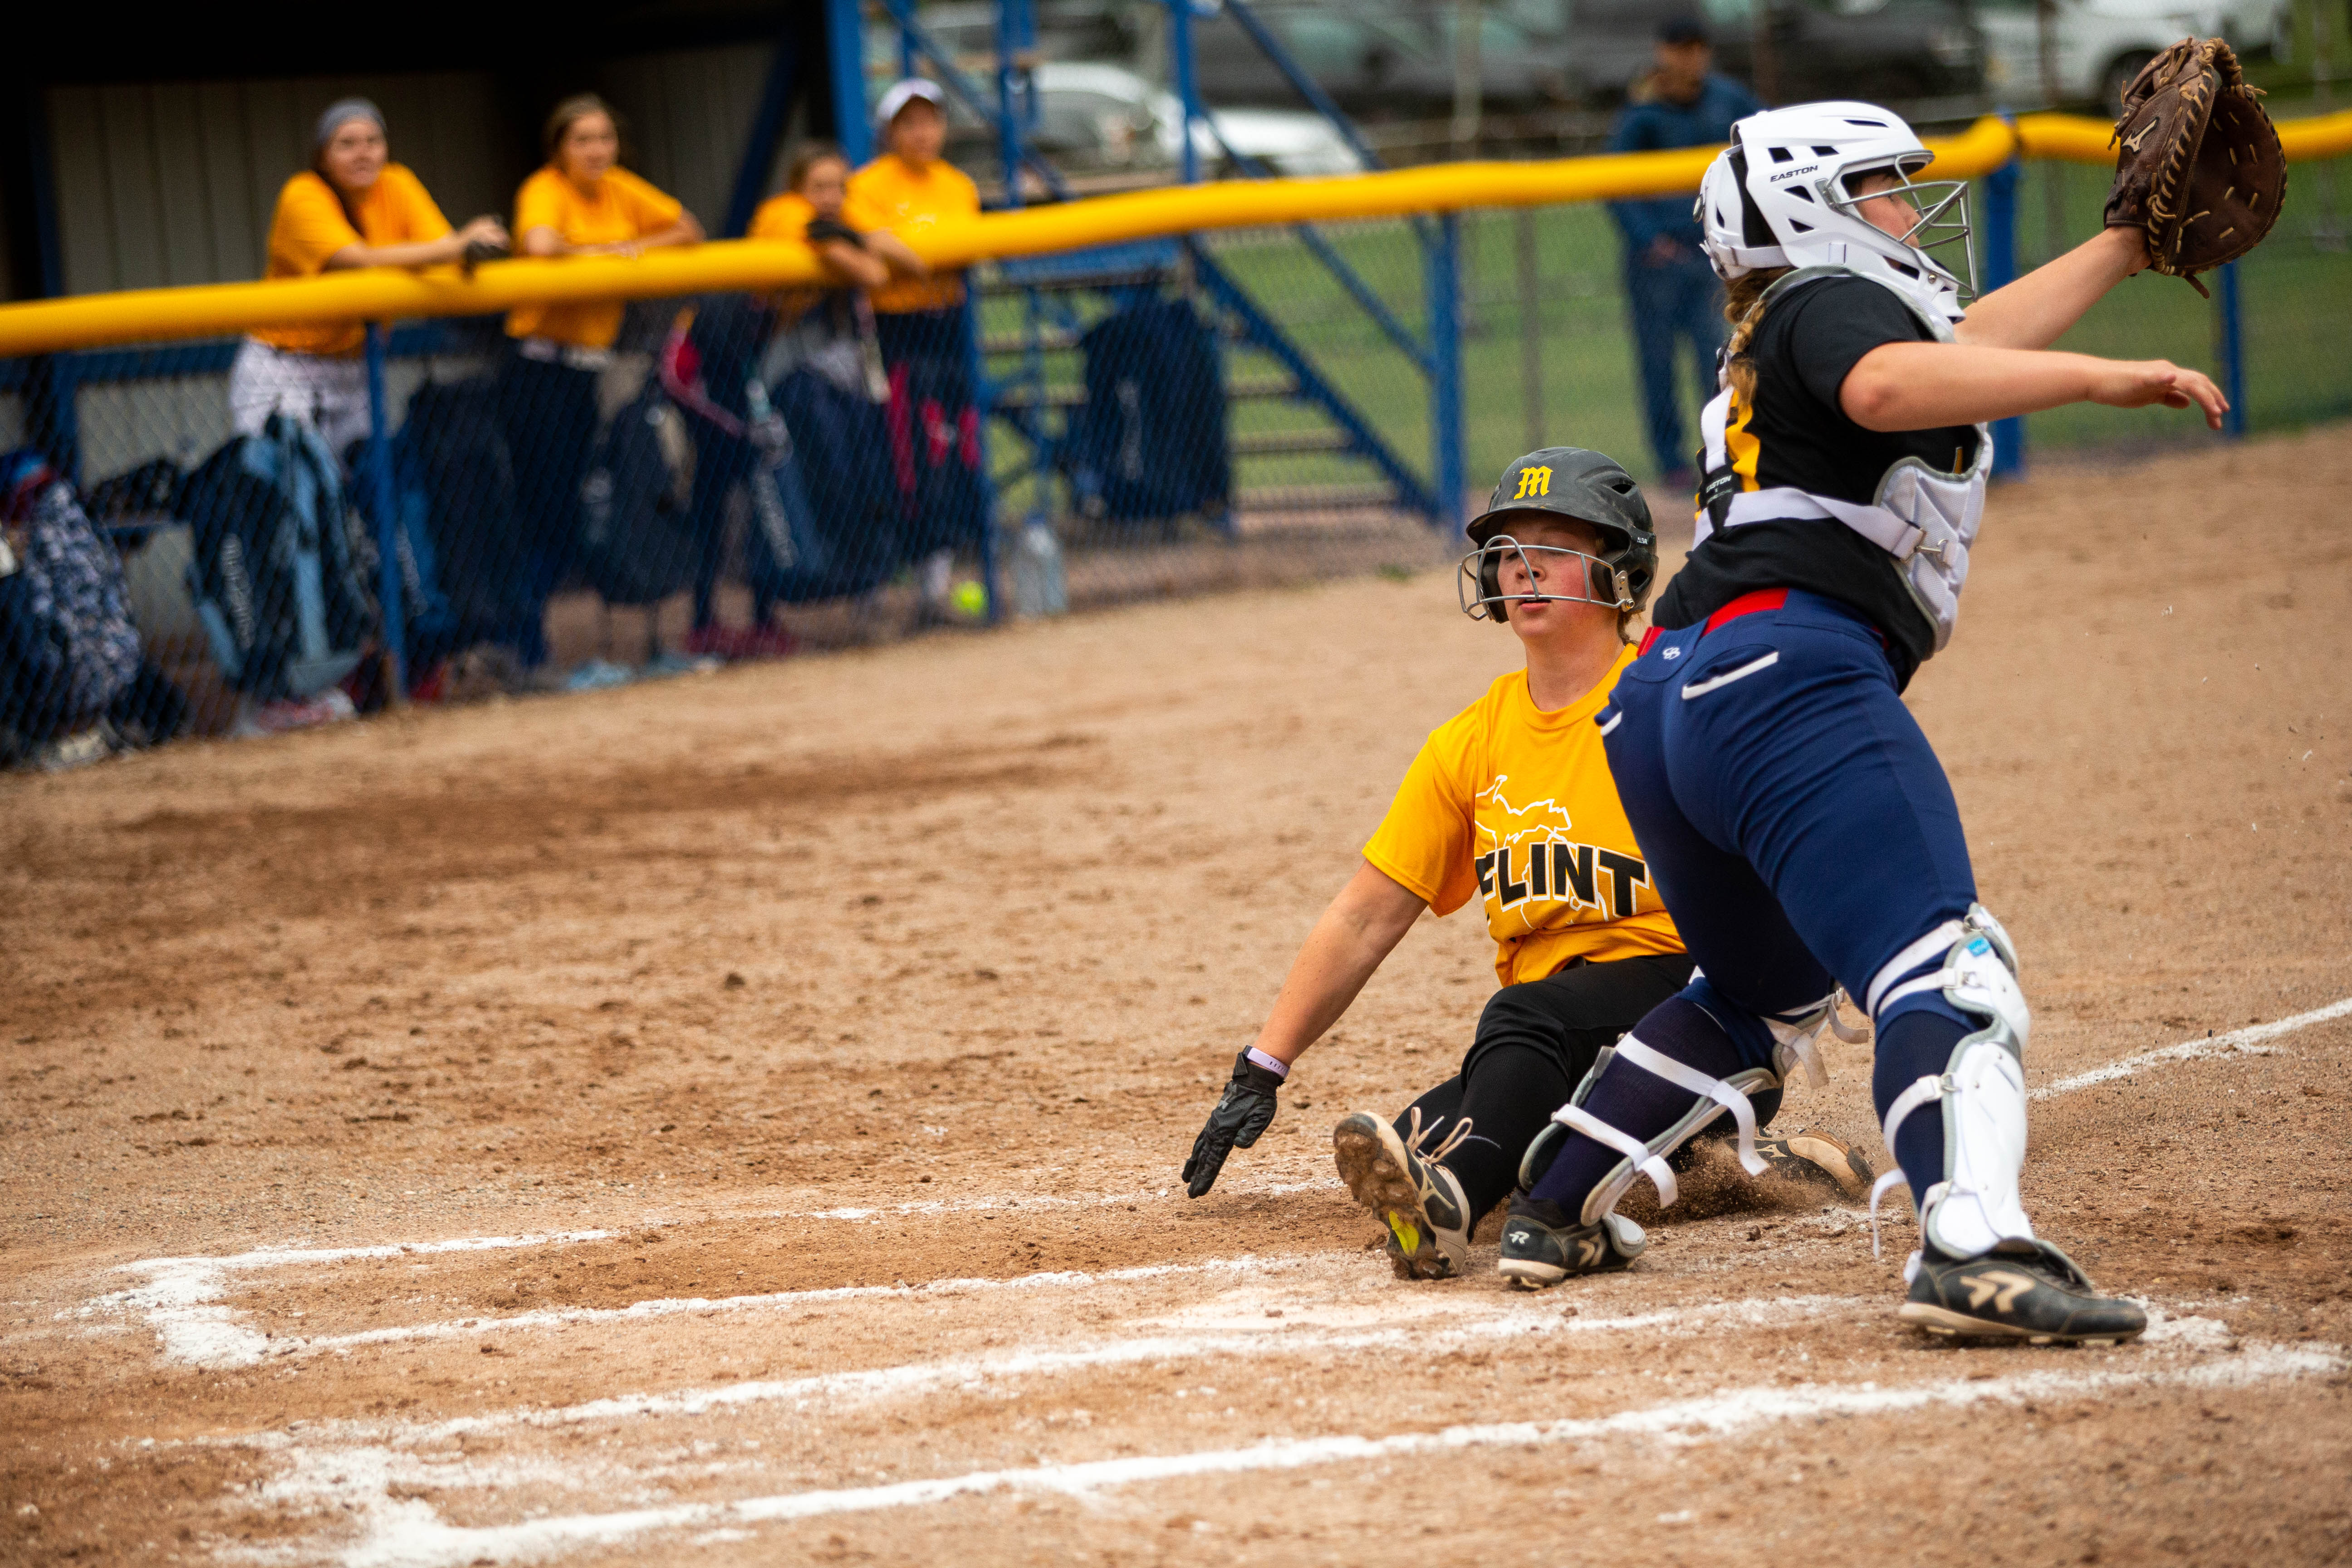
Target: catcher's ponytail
<point>1743,307</point>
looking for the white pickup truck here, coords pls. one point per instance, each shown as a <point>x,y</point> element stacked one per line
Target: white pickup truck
<point>2102,43</point>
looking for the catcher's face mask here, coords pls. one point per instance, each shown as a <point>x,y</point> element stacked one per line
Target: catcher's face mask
<point>1503,572</point>
<point>1928,215</point>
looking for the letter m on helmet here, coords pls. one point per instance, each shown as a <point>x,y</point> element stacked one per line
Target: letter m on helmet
<point>1534,482</point>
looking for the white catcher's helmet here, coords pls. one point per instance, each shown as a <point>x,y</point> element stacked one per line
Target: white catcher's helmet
<point>1781,196</point>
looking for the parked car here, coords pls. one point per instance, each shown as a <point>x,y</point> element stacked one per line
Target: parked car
<point>1399,63</point>
<point>2102,43</point>
<point>1285,140</point>
<point>1095,118</point>
<point>966,31</point>
<point>1875,49</point>
<point>1377,60</point>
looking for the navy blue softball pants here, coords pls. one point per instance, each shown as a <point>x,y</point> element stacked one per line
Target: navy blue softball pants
<point>1801,831</point>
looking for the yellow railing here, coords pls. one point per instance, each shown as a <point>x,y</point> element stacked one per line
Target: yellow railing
<point>150,315</point>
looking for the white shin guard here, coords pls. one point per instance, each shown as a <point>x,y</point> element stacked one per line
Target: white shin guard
<point>1982,1088</point>
<point>1710,1099</point>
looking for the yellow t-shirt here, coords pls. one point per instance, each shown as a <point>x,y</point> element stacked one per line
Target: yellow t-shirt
<point>783,216</point>
<point>786,217</point>
<point>1519,806</point>
<point>310,224</point>
<point>888,194</point>
<point>624,208</point>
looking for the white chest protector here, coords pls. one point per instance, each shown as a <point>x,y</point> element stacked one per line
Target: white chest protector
<point>1923,517</point>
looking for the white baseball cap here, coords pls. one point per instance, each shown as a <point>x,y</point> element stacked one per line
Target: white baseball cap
<point>905,92</point>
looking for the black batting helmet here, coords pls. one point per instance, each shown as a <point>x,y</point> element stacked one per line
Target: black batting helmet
<point>1585,487</point>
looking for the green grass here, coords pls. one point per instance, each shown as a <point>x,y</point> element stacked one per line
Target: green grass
<point>2297,297</point>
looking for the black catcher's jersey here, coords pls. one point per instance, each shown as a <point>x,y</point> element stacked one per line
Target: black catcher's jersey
<point>1798,435</point>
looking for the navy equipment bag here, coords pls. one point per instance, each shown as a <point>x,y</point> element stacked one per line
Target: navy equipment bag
<point>281,566</point>
<point>459,538</point>
<point>1150,441</point>
<point>824,511</point>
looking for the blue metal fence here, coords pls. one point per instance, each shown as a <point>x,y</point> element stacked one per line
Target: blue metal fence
<point>1336,427</point>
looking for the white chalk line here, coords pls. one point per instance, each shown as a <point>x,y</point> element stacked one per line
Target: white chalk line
<point>2248,1041</point>
<point>1460,1328</point>
<point>274,1346</point>
<point>181,1299</point>
<point>1042,1201</point>
<point>409,1533</point>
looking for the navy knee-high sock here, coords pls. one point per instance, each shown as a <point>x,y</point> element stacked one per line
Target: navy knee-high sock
<point>1637,1102</point>
<point>1915,1046</point>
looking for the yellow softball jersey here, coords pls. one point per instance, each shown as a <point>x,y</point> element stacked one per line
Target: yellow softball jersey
<point>1518,806</point>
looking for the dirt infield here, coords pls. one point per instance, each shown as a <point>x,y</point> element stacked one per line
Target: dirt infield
<point>738,1121</point>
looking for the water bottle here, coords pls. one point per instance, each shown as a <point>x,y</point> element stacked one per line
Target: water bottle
<point>774,444</point>
<point>1039,585</point>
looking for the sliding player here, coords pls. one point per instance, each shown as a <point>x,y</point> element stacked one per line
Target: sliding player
<point>1510,801</point>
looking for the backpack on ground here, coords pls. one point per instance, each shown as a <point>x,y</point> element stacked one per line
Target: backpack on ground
<point>279,574</point>
<point>68,649</point>
<point>638,540</point>
<point>458,539</point>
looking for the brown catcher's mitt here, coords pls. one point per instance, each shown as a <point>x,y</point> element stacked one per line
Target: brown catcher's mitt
<point>2201,171</point>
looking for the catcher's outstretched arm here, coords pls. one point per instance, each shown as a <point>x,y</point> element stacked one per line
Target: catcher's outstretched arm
<point>2034,311</point>
<point>1920,387</point>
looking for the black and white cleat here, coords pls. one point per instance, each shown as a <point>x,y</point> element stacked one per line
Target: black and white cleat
<point>2020,1291</point>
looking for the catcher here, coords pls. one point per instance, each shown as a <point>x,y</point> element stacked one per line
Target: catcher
<point>1509,801</point>
<point>1794,817</point>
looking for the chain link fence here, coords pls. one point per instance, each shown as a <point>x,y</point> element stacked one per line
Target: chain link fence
<point>747,478</point>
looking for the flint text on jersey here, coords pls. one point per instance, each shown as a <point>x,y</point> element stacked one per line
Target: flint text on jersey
<point>1564,873</point>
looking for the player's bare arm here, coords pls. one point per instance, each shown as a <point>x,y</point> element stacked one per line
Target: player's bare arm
<point>2000,365</point>
<point>853,264</point>
<point>1360,928</point>
<point>2036,311</point>
<point>1918,386</point>
<point>897,254</point>
<point>1355,934</point>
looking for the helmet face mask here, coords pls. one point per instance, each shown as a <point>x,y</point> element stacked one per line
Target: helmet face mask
<point>1560,485</point>
<point>1783,195</point>
<point>1552,573</point>
<point>1942,216</point>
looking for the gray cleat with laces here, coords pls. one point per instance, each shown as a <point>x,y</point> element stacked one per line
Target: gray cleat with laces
<point>1419,1200</point>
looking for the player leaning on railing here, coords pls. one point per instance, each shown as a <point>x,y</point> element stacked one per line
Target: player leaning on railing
<point>352,207</point>
<point>1794,817</point>
<point>580,203</point>
<point>1510,801</point>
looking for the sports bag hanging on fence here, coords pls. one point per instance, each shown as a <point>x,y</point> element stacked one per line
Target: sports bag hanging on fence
<point>823,509</point>
<point>1150,441</point>
<point>637,538</point>
<point>280,570</point>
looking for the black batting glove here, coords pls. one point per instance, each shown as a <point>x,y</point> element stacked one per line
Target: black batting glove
<point>1244,1112</point>
<point>821,229</point>
<point>479,251</point>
